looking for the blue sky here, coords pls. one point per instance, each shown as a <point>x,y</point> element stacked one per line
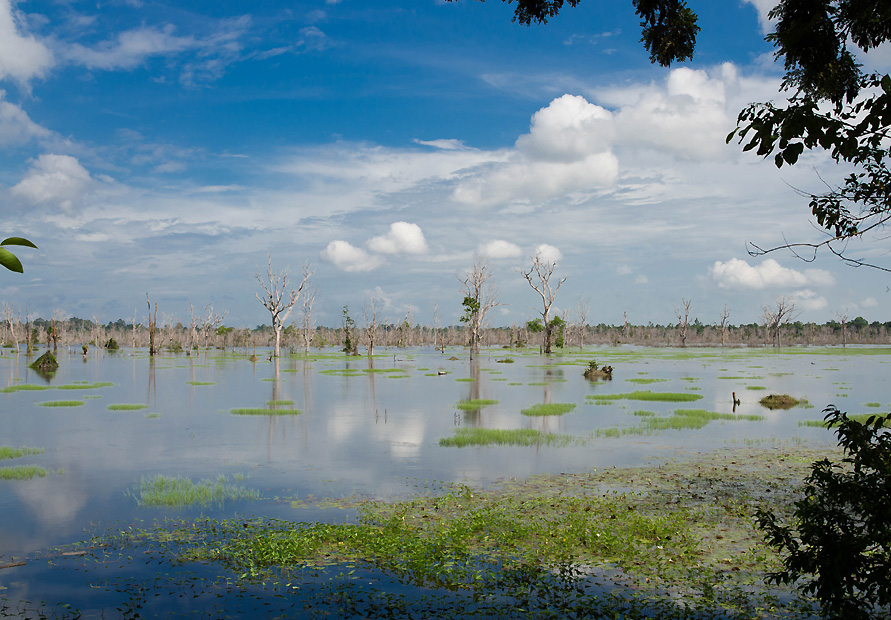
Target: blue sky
<point>170,147</point>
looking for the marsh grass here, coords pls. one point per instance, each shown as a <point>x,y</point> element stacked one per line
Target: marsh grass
<point>264,411</point>
<point>85,385</point>
<point>645,380</point>
<point>475,403</point>
<point>24,387</point>
<point>127,406</point>
<point>8,452</point>
<point>857,417</point>
<point>278,403</point>
<point>62,403</point>
<point>646,395</point>
<point>681,419</point>
<point>464,437</point>
<point>200,382</point>
<point>672,541</point>
<point>546,409</point>
<point>177,492</point>
<point>22,472</point>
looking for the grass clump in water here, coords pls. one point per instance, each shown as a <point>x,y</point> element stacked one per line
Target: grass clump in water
<point>859,417</point>
<point>24,387</point>
<point>127,407</point>
<point>264,411</point>
<point>278,403</point>
<point>779,401</point>
<point>545,409</point>
<point>21,472</point>
<point>464,437</point>
<point>647,395</point>
<point>175,492</point>
<point>8,452</point>
<point>475,403</point>
<point>85,386</point>
<point>200,382</point>
<point>62,403</point>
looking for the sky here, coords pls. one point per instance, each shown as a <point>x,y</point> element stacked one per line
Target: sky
<point>175,148</point>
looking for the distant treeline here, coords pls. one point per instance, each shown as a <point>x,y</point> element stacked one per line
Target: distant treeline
<point>175,336</point>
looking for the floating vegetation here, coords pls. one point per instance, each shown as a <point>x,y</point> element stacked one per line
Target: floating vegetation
<point>22,472</point>
<point>872,405</point>
<point>342,372</point>
<point>645,380</point>
<point>506,360</point>
<point>778,401</point>
<point>127,407</point>
<point>176,492</point>
<point>465,379</point>
<point>475,403</point>
<point>646,395</point>
<point>644,414</point>
<point>262,411</point>
<point>200,382</point>
<point>863,418</point>
<point>62,403</point>
<point>45,363</point>
<point>8,452</point>
<point>681,419</point>
<point>277,403</point>
<point>85,385</point>
<point>545,409</point>
<point>25,387</point>
<point>755,387</point>
<point>464,437</point>
<point>153,416</point>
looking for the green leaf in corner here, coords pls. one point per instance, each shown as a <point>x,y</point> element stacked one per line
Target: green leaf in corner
<point>8,260</point>
<point>18,241</point>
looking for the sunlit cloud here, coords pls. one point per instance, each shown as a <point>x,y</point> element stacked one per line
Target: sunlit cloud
<point>737,273</point>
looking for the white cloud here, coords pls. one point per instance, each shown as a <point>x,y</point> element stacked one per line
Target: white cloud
<point>737,273</point>
<point>350,258</point>
<point>313,39</point>
<point>16,126</point>
<point>131,48</point>
<point>403,238</point>
<point>499,248</point>
<point>22,57</point>
<point>763,7</point>
<point>446,144</point>
<point>569,129</point>
<point>869,302</point>
<point>548,253</point>
<point>808,300</point>
<point>641,279</point>
<point>56,179</point>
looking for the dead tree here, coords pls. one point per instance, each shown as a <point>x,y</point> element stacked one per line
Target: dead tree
<point>369,310</point>
<point>279,298</point>
<point>683,314</point>
<point>725,315</point>
<point>842,317</point>
<point>307,331</point>
<point>479,298</point>
<point>152,324</point>
<point>584,309</point>
<point>9,316</point>
<point>776,316</point>
<point>211,321</point>
<point>539,278</point>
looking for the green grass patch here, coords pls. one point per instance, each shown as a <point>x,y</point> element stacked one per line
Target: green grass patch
<point>475,403</point>
<point>646,395</point>
<point>22,472</point>
<point>857,417</point>
<point>465,380</point>
<point>264,411</point>
<point>645,380</point>
<point>24,387</point>
<point>779,401</point>
<point>872,405</point>
<point>201,383</point>
<point>8,452</point>
<point>62,403</point>
<point>545,409</point>
<point>464,437</point>
<point>176,492</point>
<point>755,387</point>
<point>85,385</point>
<point>127,407</point>
<point>279,403</point>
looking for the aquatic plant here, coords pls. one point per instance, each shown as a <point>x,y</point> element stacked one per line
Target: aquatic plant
<point>8,452</point>
<point>646,395</point>
<point>178,491</point>
<point>475,403</point>
<point>262,411</point>
<point>778,401</point>
<point>21,472</point>
<point>127,406</point>
<point>546,409</point>
<point>61,403</point>
<point>464,437</point>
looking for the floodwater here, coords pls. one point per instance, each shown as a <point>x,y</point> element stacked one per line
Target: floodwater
<point>367,428</point>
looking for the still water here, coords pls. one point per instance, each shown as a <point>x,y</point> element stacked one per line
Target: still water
<point>367,428</point>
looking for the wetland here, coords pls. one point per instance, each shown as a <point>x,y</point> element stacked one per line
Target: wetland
<point>416,483</point>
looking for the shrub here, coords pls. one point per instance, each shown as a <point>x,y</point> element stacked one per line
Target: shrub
<point>840,545</point>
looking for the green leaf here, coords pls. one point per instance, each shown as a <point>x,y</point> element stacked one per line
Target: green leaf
<point>8,260</point>
<point>18,241</point>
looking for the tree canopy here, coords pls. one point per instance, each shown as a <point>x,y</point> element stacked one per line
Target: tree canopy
<point>668,27</point>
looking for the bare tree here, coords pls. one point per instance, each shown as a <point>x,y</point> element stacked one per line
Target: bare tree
<point>9,316</point>
<point>369,310</point>
<point>194,323</point>
<point>842,317</point>
<point>479,298</point>
<point>776,316</point>
<point>211,321</point>
<point>306,330</point>
<point>539,278</point>
<point>279,298</point>
<point>725,315</point>
<point>152,324</point>
<point>583,310</point>
<point>683,314</point>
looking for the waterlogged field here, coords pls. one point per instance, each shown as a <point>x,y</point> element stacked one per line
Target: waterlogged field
<point>412,484</point>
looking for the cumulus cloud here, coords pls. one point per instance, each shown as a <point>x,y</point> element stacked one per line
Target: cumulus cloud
<point>869,302</point>
<point>737,273</point>
<point>548,253</point>
<point>348,257</point>
<point>16,127</point>
<point>55,179</point>
<point>403,238</point>
<point>569,129</point>
<point>808,300</point>
<point>499,248</point>
<point>22,57</point>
